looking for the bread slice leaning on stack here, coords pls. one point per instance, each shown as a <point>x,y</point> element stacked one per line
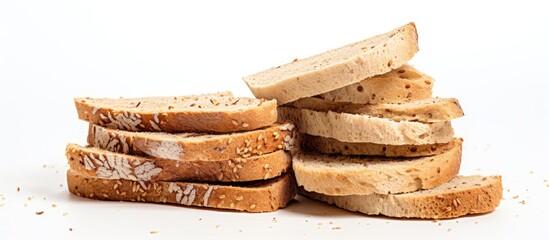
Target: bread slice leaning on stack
<point>242,163</point>
<point>374,139</point>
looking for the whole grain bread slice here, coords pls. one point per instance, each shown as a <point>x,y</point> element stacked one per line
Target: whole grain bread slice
<point>423,110</point>
<point>404,84</point>
<point>336,68</point>
<point>347,127</point>
<point>219,112</point>
<point>344,175</point>
<point>261,196</point>
<point>99,163</point>
<point>460,196</point>
<point>195,146</point>
<point>332,146</point>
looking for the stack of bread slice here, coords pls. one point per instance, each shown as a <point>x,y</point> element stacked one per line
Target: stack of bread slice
<point>211,150</point>
<point>374,139</point>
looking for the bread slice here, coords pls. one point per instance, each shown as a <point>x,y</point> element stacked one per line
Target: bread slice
<point>404,84</point>
<point>424,110</point>
<point>261,196</point>
<point>220,112</point>
<point>344,175</point>
<point>346,127</point>
<point>99,163</point>
<point>332,146</point>
<point>336,68</point>
<point>194,146</point>
<point>460,196</point>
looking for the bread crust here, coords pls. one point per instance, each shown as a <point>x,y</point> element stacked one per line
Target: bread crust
<point>193,146</point>
<point>99,163</point>
<point>449,200</point>
<point>344,175</point>
<point>336,68</point>
<point>264,196</point>
<point>187,115</point>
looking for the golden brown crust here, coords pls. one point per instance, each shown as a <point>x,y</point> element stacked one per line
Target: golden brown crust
<point>333,146</point>
<point>95,162</point>
<point>266,196</point>
<point>192,146</point>
<point>336,68</point>
<point>459,197</point>
<point>217,120</point>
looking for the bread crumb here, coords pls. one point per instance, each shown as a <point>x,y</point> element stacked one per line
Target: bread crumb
<point>44,166</point>
<point>199,219</point>
<point>440,224</point>
<point>153,232</point>
<point>274,220</point>
<point>240,230</point>
<point>39,212</point>
<point>449,229</point>
<point>217,226</point>
<point>70,229</point>
<point>336,228</point>
<point>53,205</point>
<point>523,202</point>
<point>545,180</point>
<point>516,196</point>
<point>61,185</point>
<point>29,198</point>
<point>18,189</point>
<point>331,222</point>
<point>476,222</point>
<point>65,214</point>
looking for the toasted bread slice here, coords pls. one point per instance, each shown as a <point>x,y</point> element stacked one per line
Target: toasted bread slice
<point>194,146</point>
<point>99,163</point>
<point>219,112</point>
<point>260,196</point>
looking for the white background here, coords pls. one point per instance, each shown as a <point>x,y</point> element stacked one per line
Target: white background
<point>492,56</point>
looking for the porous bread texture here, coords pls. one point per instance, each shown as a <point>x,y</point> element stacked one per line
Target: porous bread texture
<point>219,112</point>
<point>195,146</point>
<point>347,127</point>
<point>404,84</point>
<point>344,175</point>
<point>332,146</point>
<point>263,196</point>
<point>99,163</point>
<point>463,195</point>
<point>336,68</point>
<point>424,110</point>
